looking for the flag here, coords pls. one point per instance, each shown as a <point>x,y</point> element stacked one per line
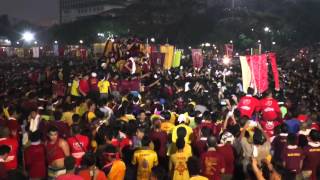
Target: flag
<point>35,52</point>
<point>273,61</point>
<point>157,59</point>
<point>197,58</point>
<point>259,72</point>
<point>246,73</point>
<point>177,58</point>
<point>228,50</point>
<point>168,50</point>
<point>56,50</point>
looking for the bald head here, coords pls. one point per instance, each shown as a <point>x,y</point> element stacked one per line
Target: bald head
<point>212,141</point>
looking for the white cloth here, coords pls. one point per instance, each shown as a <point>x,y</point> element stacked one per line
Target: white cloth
<point>34,123</point>
<point>133,69</point>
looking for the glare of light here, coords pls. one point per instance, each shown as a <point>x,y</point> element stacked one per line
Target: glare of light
<point>252,29</point>
<point>266,29</point>
<point>273,43</point>
<point>18,42</point>
<point>293,59</point>
<point>202,44</point>
<point>259,41</point>
<point>231,41</point>
<point>153,40</point>
<point>112,40</point>
<point>189,47</point>
<point>101,34</point>
<point>41,47</point>
<point>56,42</point>
<point>28,36</point>
<point>312,60</point>
<point>237,54</point>
<point>7,41</point>
<point>183,57</point>
<point>81,41</point>
<point>207,44</point>
<point>35,42</point>
<point>226,60</point>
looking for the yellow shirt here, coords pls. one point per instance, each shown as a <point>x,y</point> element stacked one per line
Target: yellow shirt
<point>146,160</point>
<point>167,127</point>
<point>173,149</point>
<point>173,117</point>
<point>91,115</point>
<point>117,171</point>
<point>186,138</point>
<point>198,178</point>
<point>67,117</point>
<point>74,88</point>
<point>178,164</point>
<point>103,86</point>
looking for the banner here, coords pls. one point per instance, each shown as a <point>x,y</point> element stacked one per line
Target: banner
<point>157,59</point>
<point>273,61</point>
<point>168,50</point>
<point>197,58</point>
<point>228,50</point>
<point>259,72</point>
<point>177,58</point>
<point>246,73</point>
<point>35,52</point>
<point>56,50</point>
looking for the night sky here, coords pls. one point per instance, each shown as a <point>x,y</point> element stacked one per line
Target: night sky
<point>37,11</point>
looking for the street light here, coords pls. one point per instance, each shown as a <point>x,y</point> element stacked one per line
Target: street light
<point>81,41</point>
<point>35,42</point>
<point>56,42</point>
<point>207,44</point>
<point>152,40</point>
<point>231,42</point>
<point>267,29</point>
<point>28,36</point>
<point>259,41</point>
<point>17,42</point>
<point>273,43</point>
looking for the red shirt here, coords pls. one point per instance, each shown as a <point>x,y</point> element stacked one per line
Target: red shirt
<point>212,163</point>
<point>226,151</point>
<point>312,158</point>
<point>270,109</point>
<point>94,84</point>
<point>121,143</point>
<point>35,160</point>
<point>12,160</point>
<point>78,146</point>
<point>84,86</point>
<point>292,156</point>
<point>54,152</point>
<point>268,126</point>
<point>248,105</point>
<point>159,140</point>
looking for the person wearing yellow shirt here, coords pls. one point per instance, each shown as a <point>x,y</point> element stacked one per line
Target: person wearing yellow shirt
<point>166,125</point>
<point>91,114</point>
<point>178,162</point>
<point>194,165</point>
<point>182,120</point>
<point>145,159</point>
<point>67,115</point>
<point>114,167</point>
<point>181,133</point>
<point>74,88</point>
<point>103,86</point>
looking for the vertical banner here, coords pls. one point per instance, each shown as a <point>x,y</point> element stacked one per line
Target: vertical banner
<point>228,50</point>
<point>168,50</point>
<point>157,59</point>
<point>273,61</point>
<point>35,52</point>
<point>259,69</point>
<point>56,50</point>
<point>246,73</point>
<point>177,58</point>
<point>197,58</point>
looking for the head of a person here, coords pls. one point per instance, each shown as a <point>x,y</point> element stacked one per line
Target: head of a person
<point>292,139</point>
<point>4,152</point>
<point>4,132</point>
<point>110,153</point>
<point>258,138</point>
<point>57,115</point>
<point>53,133</point>
<point>314,135</point>
<point>69,163</point>
<point>181,132</point>
<point>250,91</point>
<point>269,93</point>
<point>140,132</point>
<point>89,159</point>
<point>75,129</point>
<point>180,143</point>
<point>145,142</point>
<point>35,136</point>
<point>205,132</point>
<point>193,164</point>
<point>158,173</point>
<point>284,128</point>
<point>212,142</point>
<point>142,116</point>
<point>76,119</point>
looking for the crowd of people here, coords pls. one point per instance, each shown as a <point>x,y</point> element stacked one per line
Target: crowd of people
<point>122,118</point>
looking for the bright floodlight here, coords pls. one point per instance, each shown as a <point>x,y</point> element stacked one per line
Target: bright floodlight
<point>266,29</point>
<point>231,41</point>
<point>56,42</point>
<point>81,41</point>
<point>273,43</point>
<point>28,36</point>
<point>207,44</point>
<point>35,42</point>
<point>152,40</point>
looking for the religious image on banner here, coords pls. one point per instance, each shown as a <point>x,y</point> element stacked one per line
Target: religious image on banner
<point>228,50</point>
<point>197,58</point>
<point>168,50</point>
<point>259,72</point>
<point>177,58</point>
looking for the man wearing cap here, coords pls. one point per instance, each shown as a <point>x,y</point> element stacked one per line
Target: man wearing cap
<point>182,119</point>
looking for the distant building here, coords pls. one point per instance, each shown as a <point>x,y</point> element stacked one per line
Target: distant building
<point>72,10</point>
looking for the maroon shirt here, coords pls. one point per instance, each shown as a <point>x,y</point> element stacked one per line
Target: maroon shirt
<point>212,162</point>
<point>226,151</point>
<point>159,140</point>
<point>292,157</point>
<point>35,160</point>
<point>312,159</point>
<point>278,144</point>
<point>199,147</point>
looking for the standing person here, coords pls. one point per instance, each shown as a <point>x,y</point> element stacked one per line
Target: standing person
<point>78,144</point>
<point>292,157</point>
<point>311,161</point>
<point>4,153</point>
<point>269,108</point>
<point>103,86</point>
<point>193,164</point>
<point>145,159</point>
<point>212,162</point>
<point>92,172</point>
<point>182,123</point>
<point>94,89</point>
<point>84,87</point>
<point>69,163</point>
<point>178,162</point>
<point>57,149</point>
<point>248,104</point>
<point>114,167</point>
<point>160,139</point>
<point>11,162</point>
<point>227,151</point>
<point>75,88</point>
<point>35,157</point>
